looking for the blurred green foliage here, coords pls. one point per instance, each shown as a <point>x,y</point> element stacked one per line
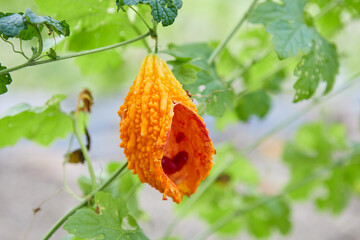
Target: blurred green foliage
<point>39,124</point>
<point>316,147</point>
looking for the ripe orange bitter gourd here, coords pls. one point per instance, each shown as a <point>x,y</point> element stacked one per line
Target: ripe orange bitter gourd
<point>164,139</point>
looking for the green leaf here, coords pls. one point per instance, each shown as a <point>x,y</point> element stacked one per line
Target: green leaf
<point>60,28</point>
<point>72,237</point>
<point>287,24</point>
<point>256,103</point>
<point>5,79</point>
<point>186,73</point>
<point>12,25</point>
<point>29,33</point>
<point>85,185</point>
<point>165,11</point>
<point>321,64</point>
<point>39,124</point>
<point>291,37</point>
<point>208,88</point>
<point>22,25</point>
<point>112,221</point>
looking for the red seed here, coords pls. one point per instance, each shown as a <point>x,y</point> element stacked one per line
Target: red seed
<point>168,165</point>
<point>180,159</point>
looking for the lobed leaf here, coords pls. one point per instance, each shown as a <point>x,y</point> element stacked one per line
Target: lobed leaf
<point>164,11</point>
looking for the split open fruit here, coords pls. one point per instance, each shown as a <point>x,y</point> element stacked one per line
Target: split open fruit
<point>164,139</point>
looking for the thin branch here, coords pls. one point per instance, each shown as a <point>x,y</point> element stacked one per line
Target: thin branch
<point>13,47</point>
<point>147,25</point>
<point>222,45</point>
<point>83,53</point>
<point>84,202</point>
<point>207,183</point>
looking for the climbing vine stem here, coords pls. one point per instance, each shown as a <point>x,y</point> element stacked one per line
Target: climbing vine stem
<point>78,54</point>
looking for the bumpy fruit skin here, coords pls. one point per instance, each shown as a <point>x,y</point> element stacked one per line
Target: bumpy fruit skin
<point>159,120</point>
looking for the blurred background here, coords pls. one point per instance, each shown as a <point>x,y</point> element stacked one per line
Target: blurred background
<point>30,173</point>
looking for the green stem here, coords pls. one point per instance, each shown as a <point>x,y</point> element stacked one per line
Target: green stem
<point>350,83</point>
<point>155,36</point>
<point>85,152</point>
<point>83,53</point>
<point>222,45</point>
<point>84,202</point>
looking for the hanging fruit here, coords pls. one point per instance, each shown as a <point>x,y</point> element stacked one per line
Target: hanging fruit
<point>164,139</point>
